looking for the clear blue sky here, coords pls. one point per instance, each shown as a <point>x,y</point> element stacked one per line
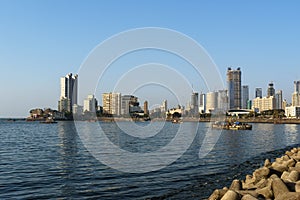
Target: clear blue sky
<point>41,41</point>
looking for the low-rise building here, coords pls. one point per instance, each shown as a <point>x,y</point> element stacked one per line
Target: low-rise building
<point>292,112</point>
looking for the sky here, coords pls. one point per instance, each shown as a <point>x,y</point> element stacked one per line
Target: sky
<point>40,41</point>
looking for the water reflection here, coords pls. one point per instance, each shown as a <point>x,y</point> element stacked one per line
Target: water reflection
<point>68,153</point>
<point>291,132</point>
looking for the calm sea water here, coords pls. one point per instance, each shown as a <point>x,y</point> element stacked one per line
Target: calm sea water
<point>49,161</point>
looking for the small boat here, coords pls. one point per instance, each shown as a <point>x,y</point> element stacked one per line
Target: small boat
<point>49,120</point>
<point>176,121</point>
<point>232,126</point>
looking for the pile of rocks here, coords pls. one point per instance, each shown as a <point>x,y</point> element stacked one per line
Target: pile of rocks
<point>279,180</point>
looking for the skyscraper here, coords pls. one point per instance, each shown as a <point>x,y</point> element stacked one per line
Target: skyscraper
<point>258,92</point>
<point>271,90</point>
<point>164,106</point>
<point>279,99</point>
<point>222,100</point>
<point>297,86</point>
<point>296,94</point>
<point>90,104</point>
<point>245,96</point>
<point>234,88</point>
<point>211,101</point>
<point>202,103</point>
<point>68,92</point>
<point>146,110</point>
<point>194,103</point>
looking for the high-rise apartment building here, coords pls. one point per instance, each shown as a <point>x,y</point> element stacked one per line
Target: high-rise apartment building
<point>90,104</point>
<point>245,96</point>
<point>263,104</point>
<point>296,86</point>
<point>271,90</point>
<point>164,106</point>
<point>296,94</point>
<point>68,92</point>
<point>211,101</point>
<point>111,103</point>
<point>279,99</point>
<point>146,110</point>
<point>202,103</point>
<point>194,107</point>
<point>234,88</point>
<point>258,92</point>
<point>222,100</point>
<point>128,102</point>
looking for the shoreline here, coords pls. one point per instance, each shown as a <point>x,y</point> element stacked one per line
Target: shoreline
<point>274,180</point>
<point>185,119</point>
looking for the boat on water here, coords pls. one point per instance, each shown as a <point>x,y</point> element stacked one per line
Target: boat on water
<point>176,121</point>
<point>49,120</point>
<point>232,126</point>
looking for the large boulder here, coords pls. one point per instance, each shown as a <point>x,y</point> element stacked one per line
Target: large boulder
<point>278,186</point>
<point>231,195</point>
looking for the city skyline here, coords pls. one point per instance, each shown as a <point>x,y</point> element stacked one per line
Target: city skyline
<point>39,46</point>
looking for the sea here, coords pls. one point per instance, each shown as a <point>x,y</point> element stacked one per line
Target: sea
<point>131,160</point>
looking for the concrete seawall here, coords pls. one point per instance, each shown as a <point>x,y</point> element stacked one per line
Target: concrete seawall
<point>279,180</point>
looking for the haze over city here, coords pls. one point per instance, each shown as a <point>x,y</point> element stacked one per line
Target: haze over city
<point>44,40</point>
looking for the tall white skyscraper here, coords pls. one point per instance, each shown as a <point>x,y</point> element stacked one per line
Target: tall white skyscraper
<point>202,103</point>
<point>68,92</point>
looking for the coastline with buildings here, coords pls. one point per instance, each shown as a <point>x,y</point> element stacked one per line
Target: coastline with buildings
<point>233,101</point>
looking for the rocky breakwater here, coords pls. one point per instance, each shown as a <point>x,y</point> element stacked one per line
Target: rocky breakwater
<point>279,180</point>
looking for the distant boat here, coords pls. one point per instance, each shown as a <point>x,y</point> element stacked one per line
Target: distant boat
<point>176,121</point>
<point>49,120</point>
<point>232,126</point>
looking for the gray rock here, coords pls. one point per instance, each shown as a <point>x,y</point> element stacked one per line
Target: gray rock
<point>231,195</point>
<point>278,187</point>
